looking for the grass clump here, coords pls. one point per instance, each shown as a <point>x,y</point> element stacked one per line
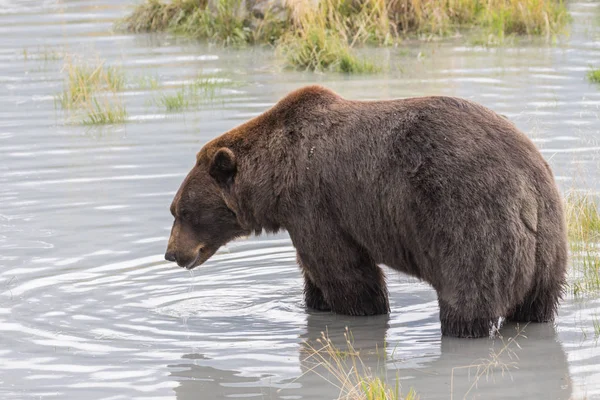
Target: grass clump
<point>85,84</point>
<point>148,82</point>
<point>318,50</point>
<point>174,102</point>
<point>222,21</point>
<point>83,80</point>
<point>105,112</point>
<point>354,379</point>
<point>497,17</point>
<point>371,20</point>
<point>155,15</point>
<point>583,222</point>
<point>200,91</point>
<point>320,35</point>
<point>324,37</point>
<point>593,75</point>
<point>224,24</point>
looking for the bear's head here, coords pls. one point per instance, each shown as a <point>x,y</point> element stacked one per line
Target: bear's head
<point>203,220</point>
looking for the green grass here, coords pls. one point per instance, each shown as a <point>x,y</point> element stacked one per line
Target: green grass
<point>596,325</point>
<point>495,17</point>
<point>593,75</point>
<point>83,80</point>
<point>227,23</point>
<point>148,82</point>
<point>320,50</point>
<point>156,15</point>
<point>322,37</point>
<point>174,102</point>
<point>365,21</point>
<point>201,91</point>
<point>583,222</point>
<point>85,84</point>
<point>224,24</point>
<point>43,53</point>
<point>115,78</point>
<point>105,113</point>
<point>346,370</point>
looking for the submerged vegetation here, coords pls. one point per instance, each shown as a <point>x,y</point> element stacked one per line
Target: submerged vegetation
<point>92,92</point>
<point>103,112</point>
<point>349,373</point>
<point>593,75</point>
<point>92,89</point>
<point>583,222</point>
<point>201,90</point>
<point>322,35</point>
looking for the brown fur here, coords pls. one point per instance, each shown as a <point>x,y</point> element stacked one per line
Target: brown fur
<point>440,188</point>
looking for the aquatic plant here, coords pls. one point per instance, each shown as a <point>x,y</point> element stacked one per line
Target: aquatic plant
<point>155,15</point>
<point>593,75</point>
<point>104,112</point>
<point>43,53</point>
<point>84,79</point>
<point>373,20</point>
<point>174,102</point>
<point>352,376</point>
<point>596,325</point>
<point>332,28</point>
<point>82,84</point>
<point>200,91</point>
<point>321,50</point>
<point>148,82</point>
<point>225,21</point>
<point>498,17</point>
<point>324,38</point>
<point>583,223</point>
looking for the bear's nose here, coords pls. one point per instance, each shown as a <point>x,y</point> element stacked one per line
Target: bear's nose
<point>170,256</point>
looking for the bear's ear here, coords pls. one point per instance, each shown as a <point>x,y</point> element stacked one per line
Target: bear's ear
<point>223,166</point>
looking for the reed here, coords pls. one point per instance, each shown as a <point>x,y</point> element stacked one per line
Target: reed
<point>321,35</point>
<point>349,373</point>
<point>593,75</point>
<point>583,223</point>
<point>92,89</point>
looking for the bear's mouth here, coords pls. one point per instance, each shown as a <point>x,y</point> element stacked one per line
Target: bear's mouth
<point>202,254</point>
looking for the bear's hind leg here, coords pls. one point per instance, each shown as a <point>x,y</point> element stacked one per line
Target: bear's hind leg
<point>541,302</point>
<point>457,323</point>
<point>539,305</point>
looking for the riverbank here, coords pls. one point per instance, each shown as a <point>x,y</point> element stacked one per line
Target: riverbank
<point>322,35</point>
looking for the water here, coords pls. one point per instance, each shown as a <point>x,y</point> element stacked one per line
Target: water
<point>88,307</point>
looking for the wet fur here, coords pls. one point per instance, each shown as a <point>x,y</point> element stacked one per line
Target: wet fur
<point>440,188</point>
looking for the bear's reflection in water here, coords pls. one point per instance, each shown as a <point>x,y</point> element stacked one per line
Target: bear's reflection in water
<point>533,367</point>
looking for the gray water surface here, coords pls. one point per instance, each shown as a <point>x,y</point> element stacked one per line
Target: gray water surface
<point>90,310</point>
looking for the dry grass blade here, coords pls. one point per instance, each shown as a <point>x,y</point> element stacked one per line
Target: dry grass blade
<point>488,366</point>
<point>346,370</point>
<point>93,88</point>
<point>583,224</point>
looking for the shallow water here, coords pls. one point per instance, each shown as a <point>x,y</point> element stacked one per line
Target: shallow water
<point>88,307</point>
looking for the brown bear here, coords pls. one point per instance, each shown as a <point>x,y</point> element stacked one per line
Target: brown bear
<point>439,188</point>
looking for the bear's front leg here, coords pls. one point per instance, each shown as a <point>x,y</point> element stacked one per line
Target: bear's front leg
<point>313,296</point>
<point>349,280</point>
